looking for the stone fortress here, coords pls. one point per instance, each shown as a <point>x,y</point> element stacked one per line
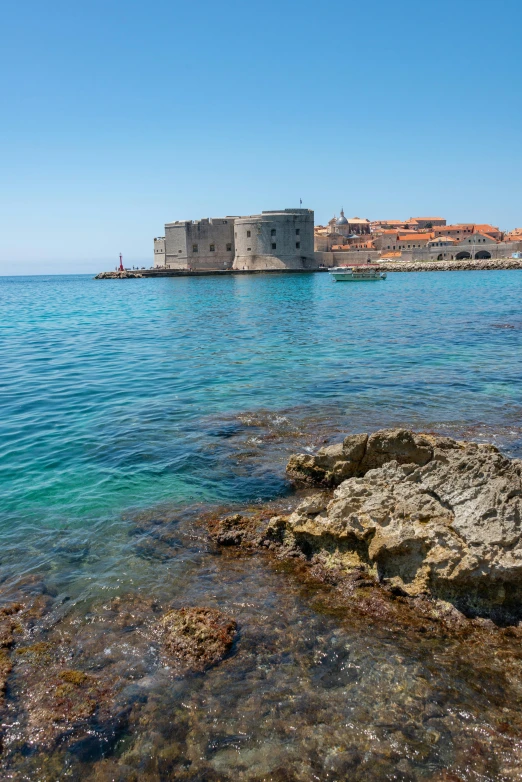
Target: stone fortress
<point>287,239</point>
<point>282,239</point>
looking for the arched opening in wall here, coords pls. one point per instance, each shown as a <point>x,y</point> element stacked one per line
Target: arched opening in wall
<point>462,255</point>
<point>482,254</point>
<point>439,257</point>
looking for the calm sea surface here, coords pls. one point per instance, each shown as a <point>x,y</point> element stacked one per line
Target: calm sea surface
<point>122,400</point>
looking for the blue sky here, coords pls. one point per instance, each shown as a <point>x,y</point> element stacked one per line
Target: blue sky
<point>119,116</point>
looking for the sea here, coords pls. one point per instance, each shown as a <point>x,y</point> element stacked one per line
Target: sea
<point>129,409</point>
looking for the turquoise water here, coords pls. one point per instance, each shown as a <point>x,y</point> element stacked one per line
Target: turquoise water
<point>112,392</point>
<point>125,394</point>
<point>160,399</point>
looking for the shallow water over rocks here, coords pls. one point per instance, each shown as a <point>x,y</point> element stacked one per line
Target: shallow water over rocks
<point>309,690</point>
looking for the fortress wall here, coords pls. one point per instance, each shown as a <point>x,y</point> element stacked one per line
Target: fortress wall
<point>159,252</point>
<point>344,258</point>
<point>216,232</point>
<point>189,243</point>
<point>176,245</point>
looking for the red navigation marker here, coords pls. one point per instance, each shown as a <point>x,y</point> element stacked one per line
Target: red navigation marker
<point>121,263</point>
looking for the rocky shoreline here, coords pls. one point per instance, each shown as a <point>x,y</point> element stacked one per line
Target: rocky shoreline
<point>464,265</point>
<point>410,537</point>
<point>418,515</point>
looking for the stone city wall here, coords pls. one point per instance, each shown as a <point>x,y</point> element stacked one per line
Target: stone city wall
<point>345,258</point>
<point>502,250</point>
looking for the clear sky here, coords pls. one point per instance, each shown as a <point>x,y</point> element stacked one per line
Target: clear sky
<point>120,115</point>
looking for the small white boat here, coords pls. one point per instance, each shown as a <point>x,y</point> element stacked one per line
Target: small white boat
<point>362,273</point>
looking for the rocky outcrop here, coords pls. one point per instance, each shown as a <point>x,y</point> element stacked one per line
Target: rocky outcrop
<point>196,638</point>
<point>424,514</point>
<point>359,453</point>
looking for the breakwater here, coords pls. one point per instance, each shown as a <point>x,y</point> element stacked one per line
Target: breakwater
<point>159,273</point>
<point>464,265</point>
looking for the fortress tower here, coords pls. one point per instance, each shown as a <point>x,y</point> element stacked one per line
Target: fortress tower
<point>283,239</point>
<point>275,240</point>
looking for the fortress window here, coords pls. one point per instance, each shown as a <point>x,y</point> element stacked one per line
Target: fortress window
<point>248,234</point>
<point>249,249</point>
<point>229,248</point>
<point>297,245</point>
<point>274,245</point>
<point>212,248</point>
<point>180,251</point>
<point>194,248</point>
<point>297,231</point>
<point>273,232</point>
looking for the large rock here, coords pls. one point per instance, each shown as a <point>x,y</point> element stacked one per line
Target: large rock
<point>423,513</point>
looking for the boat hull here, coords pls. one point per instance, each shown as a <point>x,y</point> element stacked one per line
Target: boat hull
<point>347,275</point>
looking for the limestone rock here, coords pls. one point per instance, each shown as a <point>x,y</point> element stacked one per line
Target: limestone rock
<point>429,515</point>
<point>359,453</point>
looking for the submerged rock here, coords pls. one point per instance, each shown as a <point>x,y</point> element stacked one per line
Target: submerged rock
<point>424,514</point>
<point>233,530</point>
<point>196,638</point>
<point>8,626</point>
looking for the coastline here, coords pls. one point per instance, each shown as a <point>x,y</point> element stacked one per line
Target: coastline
<point>497,264</point>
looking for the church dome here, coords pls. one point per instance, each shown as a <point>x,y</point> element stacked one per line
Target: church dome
<point>342,219</point>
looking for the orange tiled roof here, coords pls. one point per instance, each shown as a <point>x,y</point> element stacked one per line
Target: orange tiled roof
<point>416,236</point>
<point>445,239</point>
<point>457,227</point>
<point>485,235</point>
<point>486,228</point>
<point>358,246</point>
